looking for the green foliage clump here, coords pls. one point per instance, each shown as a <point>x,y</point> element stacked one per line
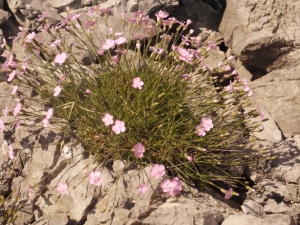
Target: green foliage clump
<point>163,115</point>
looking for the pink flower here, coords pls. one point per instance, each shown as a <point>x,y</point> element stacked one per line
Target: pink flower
<point>62,188</point>
<point>230,88</point>
<point>60,58</point>
<point>30,190</point>
<point>206,123</point>
<point>200,131</point>
<point>57,90</point>
<point>156,50</point>
<point>63,77</point>
<point>18,124</point>
<point>30,37</point>
<point>100,52</point>
<point>261,114</point>
<point>55,43</point>
<point>173,187</point>
<point>24,64</point>
<point>115,59</point>
<point>46,122</point>
<point>95,178</point>
<point>119,33</point>
<point>231,57</point>
<point>188,22</point>
<point>139,150</point>
<point>43,16</point>
<point>250,93</point>
<point>107,119</point>
<point>211,45</point>
<point>185,55</point>
<point>228,193</point>
<point>89,23</point>
<point>88,91</point>
<point>17,108</point>
<point>161,15</point>
<point>5,112</point>
<point>11,151</point>
<point>234,72</point>
<point>143,188</point>
<point>48,117</point>
<point>227,68</point>
<point>137,83</point>
<point>108,44</point>
<point>157,171</point>
<point>119,127</point>
<point>14,90</point>
<point>186,76</point>
<point>11,76</point>
<point>190,158</point>
<point>120,40</point>
<point>1,126</point>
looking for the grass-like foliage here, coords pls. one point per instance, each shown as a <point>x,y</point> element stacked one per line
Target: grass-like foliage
<point>144,96</point>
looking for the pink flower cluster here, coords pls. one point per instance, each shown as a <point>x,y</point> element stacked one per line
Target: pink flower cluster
<point>246,87</point>
<point>110,43</point>
<point>173,187</point>
<point>157,171</point>
<point>95,178</point>
<point>139,150</point>
<point>137,83</point>
<point>205,125</point>
<point>118,127</point>
<point>62,188</point>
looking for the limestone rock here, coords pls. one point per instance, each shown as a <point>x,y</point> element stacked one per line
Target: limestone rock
<point>45,155</point>
<point>261,33</point>
<point>26,12</point>
<point>279,219</point>
<point>275,219</point>
<point>278,93</point>
<point>270,130</point>
<point>239,219</point>
<point>72,4</point>
<point>273,207</point>
<point>82,194</point>
<point>253,208</point>
<point>293,174</point>
<point>201,14</point>
<point>4,16</point>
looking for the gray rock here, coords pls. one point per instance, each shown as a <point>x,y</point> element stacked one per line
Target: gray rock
<point>45,155</point>
<point>4,16</point>
<point>201,14</point>
<point>293,175</point>
<point>243,219</point>
<point>72,4</point>
<point>270,130</point>
<point>268,45</point>
<point>253,208</point>
<point>26,12</point>
<point>273,207</point>
<point>278,93</point>
<point>256,34</point>
<point>279,219</point>
<point>82,195</point>
<point>270,189</point>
